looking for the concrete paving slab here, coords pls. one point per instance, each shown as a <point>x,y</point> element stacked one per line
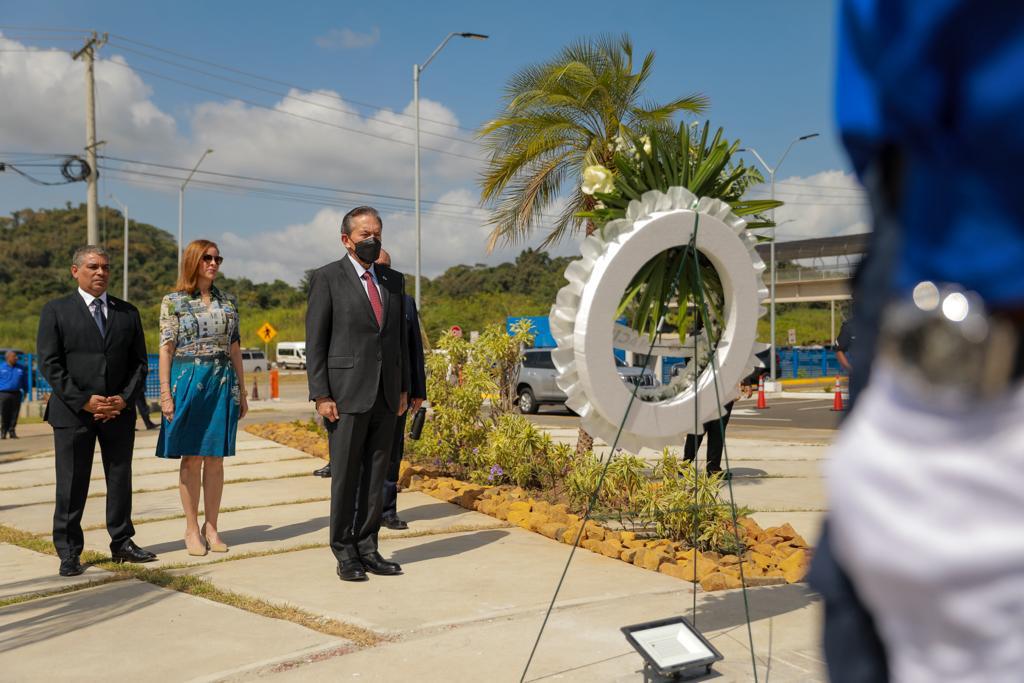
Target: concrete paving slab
<point>583,642</point>
<point>38,518</point>
<point>91,634</point>
<point>287,526</point>
<point>25,572</point>
<point>779,494</point>
<point>468,577</point>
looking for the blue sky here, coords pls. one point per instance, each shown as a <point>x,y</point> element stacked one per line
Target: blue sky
<point>766,67</point>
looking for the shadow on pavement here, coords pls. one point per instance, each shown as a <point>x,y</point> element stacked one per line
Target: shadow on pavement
<point>446,547</point>
<point>430,511</point>
<point>80,609</point>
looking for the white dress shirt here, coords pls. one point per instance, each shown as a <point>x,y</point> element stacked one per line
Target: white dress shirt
<point>89,298</point>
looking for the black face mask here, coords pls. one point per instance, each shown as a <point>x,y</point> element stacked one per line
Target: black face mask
<point>368,250</point>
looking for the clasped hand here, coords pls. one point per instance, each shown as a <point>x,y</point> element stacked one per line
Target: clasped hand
<point>105,408</point>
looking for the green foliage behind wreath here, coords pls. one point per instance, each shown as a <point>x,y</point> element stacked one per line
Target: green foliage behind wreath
<point>661,159</point>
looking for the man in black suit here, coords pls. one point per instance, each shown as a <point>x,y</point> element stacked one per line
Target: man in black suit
<point>92,351</point>
<point>417,394</point>
<point>358,373</point>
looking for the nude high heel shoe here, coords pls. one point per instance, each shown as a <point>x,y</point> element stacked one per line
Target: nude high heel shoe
<point>214,547</point>
<point>197,552</point>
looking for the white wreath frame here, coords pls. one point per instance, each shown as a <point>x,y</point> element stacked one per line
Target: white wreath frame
<point>582,319</point>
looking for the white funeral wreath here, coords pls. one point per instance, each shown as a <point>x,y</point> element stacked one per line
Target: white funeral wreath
<point>583,319</point>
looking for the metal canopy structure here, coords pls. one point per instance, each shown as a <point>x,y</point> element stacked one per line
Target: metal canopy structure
<point>819,247</point>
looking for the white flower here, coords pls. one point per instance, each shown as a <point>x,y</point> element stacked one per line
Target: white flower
<point>647,143</point>
<point>598,205</point>
<point>597,178</point>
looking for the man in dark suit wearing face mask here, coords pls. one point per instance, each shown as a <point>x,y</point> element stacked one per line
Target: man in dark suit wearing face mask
<point>358,374</point>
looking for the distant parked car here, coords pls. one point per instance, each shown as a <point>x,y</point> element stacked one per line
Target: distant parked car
<point>253,360</point>
<point>536,386</point>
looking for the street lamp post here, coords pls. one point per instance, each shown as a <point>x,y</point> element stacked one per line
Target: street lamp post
<point>417,69</point>
<point>124,278</point>
<point>771,248</point>
<point>181,205</point>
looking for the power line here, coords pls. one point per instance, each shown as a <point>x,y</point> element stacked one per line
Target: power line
<point>287,113</point>
<point>286,95</point>
<point>270,181</point>
<point>270,80</point>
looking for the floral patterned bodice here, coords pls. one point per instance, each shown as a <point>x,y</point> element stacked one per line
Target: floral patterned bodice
<point>196,328</point>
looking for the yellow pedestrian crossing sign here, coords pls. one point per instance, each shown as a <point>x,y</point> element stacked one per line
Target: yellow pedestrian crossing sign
<point>267,332</point>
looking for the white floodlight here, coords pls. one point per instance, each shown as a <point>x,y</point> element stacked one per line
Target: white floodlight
<point>672,649</point>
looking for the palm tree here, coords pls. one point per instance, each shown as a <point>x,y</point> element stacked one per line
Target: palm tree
<point>559,117</point>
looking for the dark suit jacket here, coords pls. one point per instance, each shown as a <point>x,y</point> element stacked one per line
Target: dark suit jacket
<point>347,355</point>
<point>417,371</point>
<point>78,362</point>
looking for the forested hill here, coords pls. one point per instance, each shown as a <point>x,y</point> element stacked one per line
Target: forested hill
<point>38,245</point>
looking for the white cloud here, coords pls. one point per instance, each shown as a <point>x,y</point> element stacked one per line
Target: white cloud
<point>347,39</point>
<point>43,110</point>
<point>46,116</point>
<point>821,205</point>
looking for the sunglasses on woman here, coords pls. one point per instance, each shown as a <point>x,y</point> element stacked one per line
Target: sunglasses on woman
<point>210,257</point>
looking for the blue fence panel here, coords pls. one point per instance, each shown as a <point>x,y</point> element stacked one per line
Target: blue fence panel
<point>38,386</point>
<point>797,362</point>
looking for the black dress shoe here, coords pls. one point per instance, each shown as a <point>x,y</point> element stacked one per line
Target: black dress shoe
<point>12,435</point>
<point>70,566</point>
<point>351,570</point>
<point>130,552</point>
<point>324,471</point>
<point>393,522</point>
<point>375,564</point>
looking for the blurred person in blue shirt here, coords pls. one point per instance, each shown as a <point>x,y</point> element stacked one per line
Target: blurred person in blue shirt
<point>922,560</point>
<point>13,387</point>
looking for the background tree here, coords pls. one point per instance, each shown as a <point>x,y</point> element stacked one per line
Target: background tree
<point>559,117</point>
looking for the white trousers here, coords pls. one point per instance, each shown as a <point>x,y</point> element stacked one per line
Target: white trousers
<point>927,513</point>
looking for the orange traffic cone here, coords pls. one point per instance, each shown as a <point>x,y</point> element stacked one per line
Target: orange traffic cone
<point>837,400</point>
<point>762,403</point>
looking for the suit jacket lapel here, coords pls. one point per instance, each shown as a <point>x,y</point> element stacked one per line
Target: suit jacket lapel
<point>348,273</point>
<point>112,315</point>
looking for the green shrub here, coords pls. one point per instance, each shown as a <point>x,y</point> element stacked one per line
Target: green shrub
<point>518,453</point>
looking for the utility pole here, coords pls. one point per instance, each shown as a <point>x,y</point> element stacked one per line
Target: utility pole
<point>88,52</point>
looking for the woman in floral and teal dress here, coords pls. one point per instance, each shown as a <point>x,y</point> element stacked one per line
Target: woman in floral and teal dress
<point>202,390</point>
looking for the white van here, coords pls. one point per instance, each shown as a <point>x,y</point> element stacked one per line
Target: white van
<point>291,355</point>
<point>253,360</point>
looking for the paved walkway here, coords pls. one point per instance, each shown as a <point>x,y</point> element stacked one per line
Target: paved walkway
<point>468,607</point>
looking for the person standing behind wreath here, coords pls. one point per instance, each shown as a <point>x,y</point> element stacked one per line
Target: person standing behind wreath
<point>202,389</point>
<point>417,395</point>
<point>13,386</point>
<point>92,351</point>
<point>358,374</point>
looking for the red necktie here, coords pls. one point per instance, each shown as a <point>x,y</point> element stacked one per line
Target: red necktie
<point>371,291</point>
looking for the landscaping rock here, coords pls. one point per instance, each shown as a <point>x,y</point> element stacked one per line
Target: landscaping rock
<point>553,530</point>
<point>717,581</point>
<point>794,567</point>
<point>628,555</point>
<point>757,581</point>
<point>653,559</point>
<point>610,548</point>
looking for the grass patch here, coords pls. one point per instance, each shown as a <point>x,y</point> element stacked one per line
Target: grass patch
<point>18,599</point>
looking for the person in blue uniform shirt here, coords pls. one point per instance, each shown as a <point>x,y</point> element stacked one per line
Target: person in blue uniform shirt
<point>13,388</point>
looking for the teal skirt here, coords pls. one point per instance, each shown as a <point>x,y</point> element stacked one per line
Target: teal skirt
<point>206,405</point>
